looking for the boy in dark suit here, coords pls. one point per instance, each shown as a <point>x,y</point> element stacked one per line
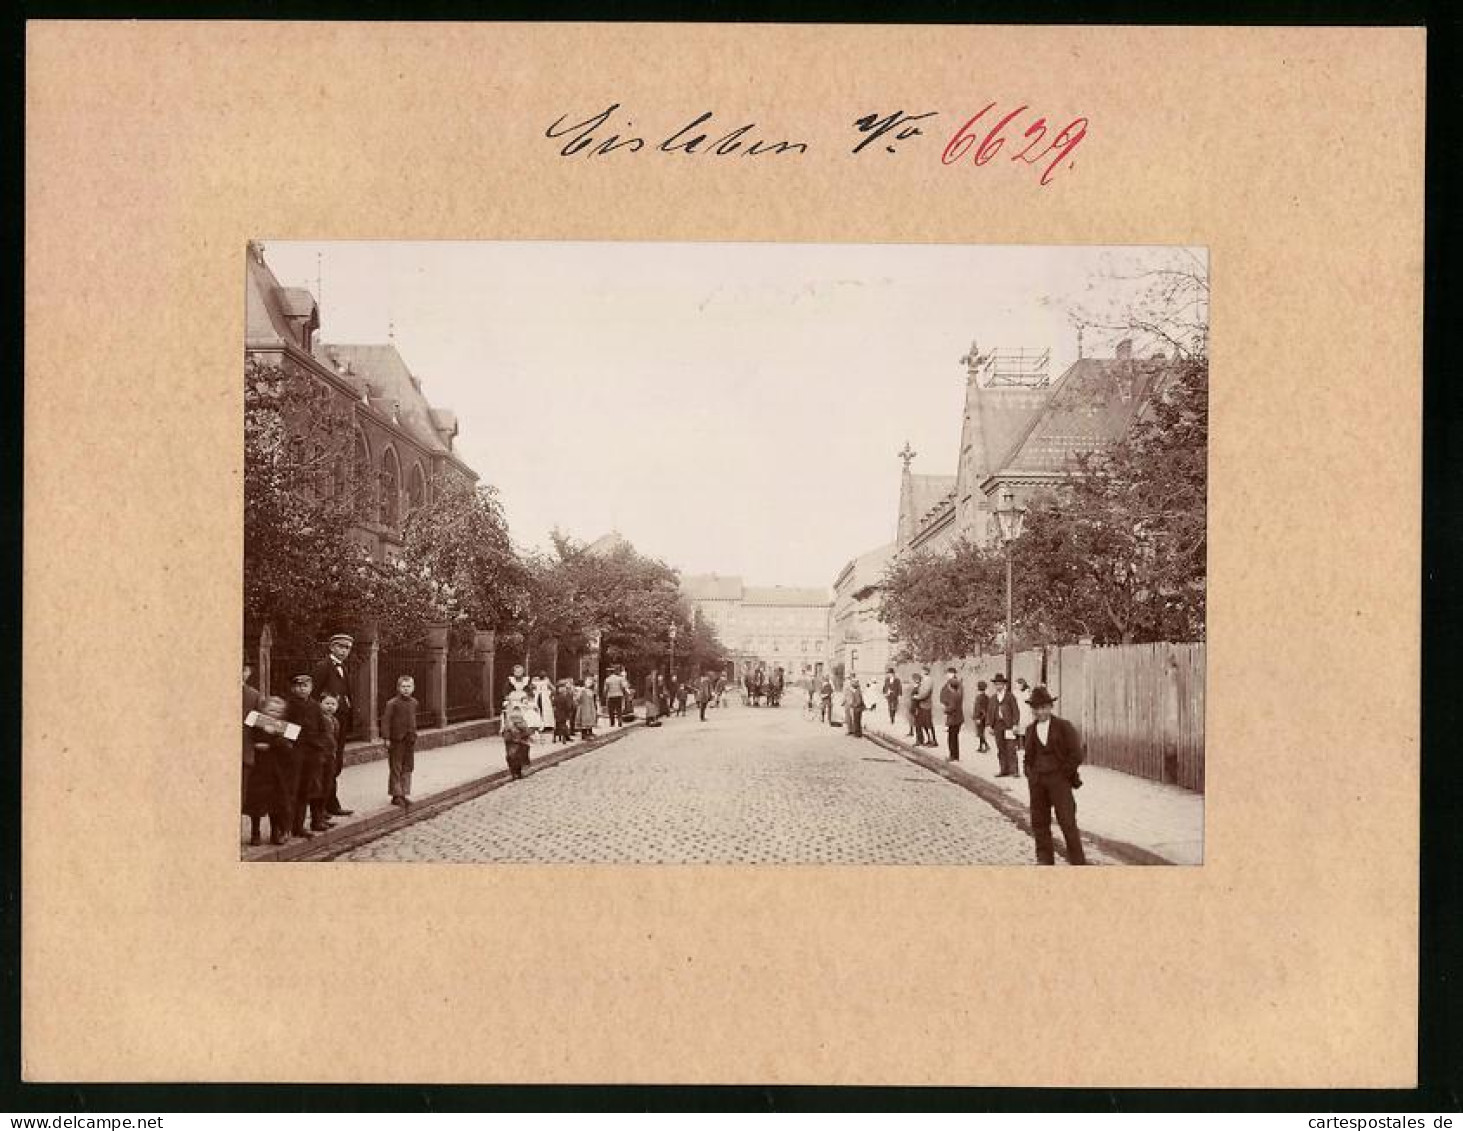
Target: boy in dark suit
<point>1053,753</point>
<point>1002,715</point>
<point>982,705</point>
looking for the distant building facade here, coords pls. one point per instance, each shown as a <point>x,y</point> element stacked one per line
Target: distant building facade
<point>399,445</point>
<point>859,640</point>
<point>772,626</point>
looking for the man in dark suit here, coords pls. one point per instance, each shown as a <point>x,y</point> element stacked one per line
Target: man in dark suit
<point>892,690</point>
<point>329,678</point>
<point>1002,715</point>
<point>1053,753</point>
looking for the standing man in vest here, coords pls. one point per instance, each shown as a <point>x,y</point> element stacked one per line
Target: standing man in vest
<point>329,678</point>
<point>1002,716</point>
<point>615,696</point>
<point>1053,753</point>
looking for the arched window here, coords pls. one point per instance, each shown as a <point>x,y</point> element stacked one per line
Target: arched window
<point>416,492</point>
<point>364,483</point>
<point>390,489</point>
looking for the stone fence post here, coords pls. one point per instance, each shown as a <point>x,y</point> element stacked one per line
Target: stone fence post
<point>368,678</point>
<point>436,700</point>
<point>484,649</point>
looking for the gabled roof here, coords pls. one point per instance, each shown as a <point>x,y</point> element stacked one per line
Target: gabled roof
<point>273,315</point>
<point>711,587</point>
<point>928,491</point>
<point>608,544</point>
<point>784,595</point>
<point>390,383</point>
<point>867,569</point>
<point>1092,405</point>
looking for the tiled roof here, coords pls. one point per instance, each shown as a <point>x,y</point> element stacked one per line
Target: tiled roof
<point>927,491</point>
<point>1092,405</point>
<point>711,587</point>
<point>390,381</point>
<point>266,321</point>
<point>784,595</point>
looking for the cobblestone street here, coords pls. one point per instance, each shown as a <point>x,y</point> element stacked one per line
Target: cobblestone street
<point>747,786</point>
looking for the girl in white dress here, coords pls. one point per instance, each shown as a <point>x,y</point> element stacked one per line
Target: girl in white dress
<point>519,694</point>
<point>541,696</point>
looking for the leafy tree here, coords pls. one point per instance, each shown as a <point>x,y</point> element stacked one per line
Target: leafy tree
<point>1119,551</point>
<point>948,605</point>
<point>301,570</point>
<point>458,544</point>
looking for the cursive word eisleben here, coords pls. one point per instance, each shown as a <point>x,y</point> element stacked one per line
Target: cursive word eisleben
<point>600,135</point>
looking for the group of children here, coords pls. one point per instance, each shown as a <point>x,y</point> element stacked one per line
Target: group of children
<point>289,760</point>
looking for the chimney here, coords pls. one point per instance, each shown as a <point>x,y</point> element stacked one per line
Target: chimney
<point>1124,349</point>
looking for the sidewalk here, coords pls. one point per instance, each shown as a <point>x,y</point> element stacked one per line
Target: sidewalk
<point>1162,821</point>
<point>362,787</point>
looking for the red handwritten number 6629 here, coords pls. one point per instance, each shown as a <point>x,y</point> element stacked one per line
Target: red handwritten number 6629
<point>1062,144</point>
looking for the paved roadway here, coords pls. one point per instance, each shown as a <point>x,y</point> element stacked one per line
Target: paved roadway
<point>748,786</point>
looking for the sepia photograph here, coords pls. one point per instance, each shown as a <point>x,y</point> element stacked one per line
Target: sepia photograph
<point>724,553</point>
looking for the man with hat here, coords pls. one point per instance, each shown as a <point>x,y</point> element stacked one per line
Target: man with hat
<point>311,744</point>
<point>1053,753</point>
<point>1002,716</point>
<point>330,679</point>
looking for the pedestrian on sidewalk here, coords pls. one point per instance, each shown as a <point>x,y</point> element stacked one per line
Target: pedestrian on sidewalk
<point>329,678</point>
<point>703,694</point>
<point>252,699</point>
<point>586,708</point>
<point>982,704</point>
<point>543,701</point>
<point>924,722</point>
<point>269,790</point>
<point>399,728</point>
<point>952,698</point>
<point>1053,753</point>
<point>517,735</point>
<point>614,691</point>
<point>913,708</point>
<point>1002,715</point>
<point>1023,708</point>
<point>303,711</point>
<point>892,690</point>
<point>324,783</point>
<point>853,707</point>
<point>825,701</point>
<point>563,711</point>
<point>683,692</point>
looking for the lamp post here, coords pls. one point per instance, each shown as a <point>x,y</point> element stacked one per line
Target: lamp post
<point>672,673</point>
<point>1009,515</point>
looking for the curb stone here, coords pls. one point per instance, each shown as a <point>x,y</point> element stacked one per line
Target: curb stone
<point>1012,810</point>
<point>380,822</point>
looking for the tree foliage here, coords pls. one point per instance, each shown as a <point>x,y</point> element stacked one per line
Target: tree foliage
<point>946,605</point>
<point>301,569</point>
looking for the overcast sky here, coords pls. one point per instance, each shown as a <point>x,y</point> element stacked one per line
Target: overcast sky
<point>727,407</point>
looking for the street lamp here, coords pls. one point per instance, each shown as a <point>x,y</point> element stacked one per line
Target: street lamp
<point>1009,515</point>
<point>672,673</point>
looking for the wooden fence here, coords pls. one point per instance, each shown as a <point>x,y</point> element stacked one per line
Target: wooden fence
<point>1139,707</point>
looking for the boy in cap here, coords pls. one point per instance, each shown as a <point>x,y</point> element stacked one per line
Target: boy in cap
<point>952,698</point>
<point>310,751</point>
<point>1053,753</point>
<point>982,704</point>
<point>516,737</point>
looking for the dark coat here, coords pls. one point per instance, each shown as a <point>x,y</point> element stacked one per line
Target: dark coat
<point>1062,753</point>
<point>952,698</point>
<point>269,794</point>
<point>1002,714</point>
<point>982,705</point>
<point>399,721</point>
<point>327,681</point>
<point>703,690</point>
<point>252,699</point>
<point>893,688</point>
